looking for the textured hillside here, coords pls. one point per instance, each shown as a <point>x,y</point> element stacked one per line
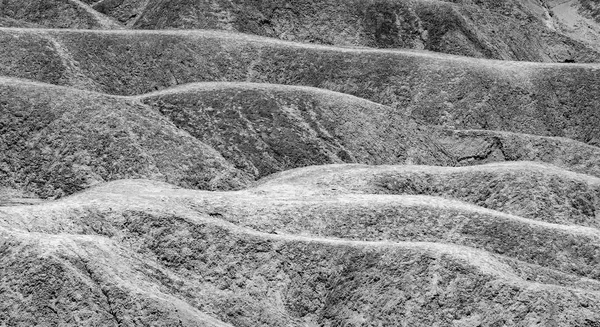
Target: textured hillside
<point>578,19</point>
<point>300,163</point>
<point>542,99</point>
<point>136,241</point>
<point>52,13</point>
<point>58,140</point>
<point>472,147</point>
<point>528,30</point>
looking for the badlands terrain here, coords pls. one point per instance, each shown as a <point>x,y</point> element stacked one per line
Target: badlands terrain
<point>300,163</point>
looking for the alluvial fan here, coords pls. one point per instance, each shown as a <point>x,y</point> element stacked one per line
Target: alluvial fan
<point>299,163</point>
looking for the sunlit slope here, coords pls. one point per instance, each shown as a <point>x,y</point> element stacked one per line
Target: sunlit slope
<point>531,190</point>
<point>136,243</point>
<point>523,30</point>
<point>299,163</point>
<point>218,136</point>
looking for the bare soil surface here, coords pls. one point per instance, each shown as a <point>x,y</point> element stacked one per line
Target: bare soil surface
<point>300,163</point>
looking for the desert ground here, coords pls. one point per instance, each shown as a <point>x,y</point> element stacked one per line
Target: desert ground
<point>300,163</point>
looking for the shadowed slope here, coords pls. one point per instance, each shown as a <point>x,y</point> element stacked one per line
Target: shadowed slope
<point>264,128</point>
<point>542,99</point>
<point>57,140</point>
<point>509,30</point>
<point>249,278</point>
<point>511,244</point>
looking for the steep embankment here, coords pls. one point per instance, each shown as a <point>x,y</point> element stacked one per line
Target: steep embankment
<point>456,92</point>
<point>128,247</point>
<point>57,140</point>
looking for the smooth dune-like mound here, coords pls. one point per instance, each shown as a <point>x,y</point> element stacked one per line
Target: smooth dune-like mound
<point>509,30</point>
<point>541,99</point>
<point>58,140</point>
<point>127,247</point>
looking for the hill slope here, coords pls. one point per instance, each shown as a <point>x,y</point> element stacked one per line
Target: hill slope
<point>473,147</point>
<point>508,30</point>
<point>57,140</point>
<point>542,99</point>
<point>54,14</point>
<point>196,261</point>
<point>524,30</point>
<point>343,163</point>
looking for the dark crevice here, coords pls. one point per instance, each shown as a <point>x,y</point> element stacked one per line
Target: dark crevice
<point>110,310</point>
<point>53,310</point>
<point>496,145</point>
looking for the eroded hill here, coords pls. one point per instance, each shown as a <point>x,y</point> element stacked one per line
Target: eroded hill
<point>53,14</point>
<point>261,256</point>
<point>542,99</point>
<point>525,30</point>
<point>58,140</point>
<point>342,163</point>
